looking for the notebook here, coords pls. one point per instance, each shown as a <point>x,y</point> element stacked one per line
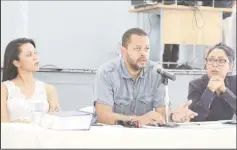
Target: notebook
<point>67,120</point>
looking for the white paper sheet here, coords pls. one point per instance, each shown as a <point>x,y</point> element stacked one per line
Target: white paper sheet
<point>198,125</point>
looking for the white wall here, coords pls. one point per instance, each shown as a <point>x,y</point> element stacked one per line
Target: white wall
<point>14,22</point>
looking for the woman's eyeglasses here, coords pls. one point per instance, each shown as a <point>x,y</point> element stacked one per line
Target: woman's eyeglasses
<point>220,61</point>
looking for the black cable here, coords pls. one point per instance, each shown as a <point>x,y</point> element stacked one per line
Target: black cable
<point>149,20</point>
<point>150,25</point>
<point>196,9</point>
<point>194,6</point>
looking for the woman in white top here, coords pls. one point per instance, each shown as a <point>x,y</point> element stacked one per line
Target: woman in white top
<point>20,91</point>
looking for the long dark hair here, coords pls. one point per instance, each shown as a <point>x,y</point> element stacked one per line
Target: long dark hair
<point>12,53</point>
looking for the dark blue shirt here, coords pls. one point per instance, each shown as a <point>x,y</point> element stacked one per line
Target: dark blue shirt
<point>210,106</point>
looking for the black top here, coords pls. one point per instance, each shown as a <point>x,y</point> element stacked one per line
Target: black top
<point>210,106</point>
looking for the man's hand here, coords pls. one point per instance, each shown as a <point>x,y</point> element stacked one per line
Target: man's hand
<point>151,117</point>
<point>183,114</point>
<point>215,83</point>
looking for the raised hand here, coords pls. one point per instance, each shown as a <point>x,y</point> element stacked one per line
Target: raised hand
<point>183,113</point>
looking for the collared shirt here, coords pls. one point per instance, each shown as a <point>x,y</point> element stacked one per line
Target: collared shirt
<point>210,106</point>
<point>115,87</point>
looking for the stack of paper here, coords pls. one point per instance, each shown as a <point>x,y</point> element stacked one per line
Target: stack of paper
<point>67,120</point>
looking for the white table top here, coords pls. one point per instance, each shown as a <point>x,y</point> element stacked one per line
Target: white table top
<point>208,136</point>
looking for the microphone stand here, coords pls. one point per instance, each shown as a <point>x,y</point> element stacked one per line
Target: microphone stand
<point>167,102</point>
<point>166,98</point>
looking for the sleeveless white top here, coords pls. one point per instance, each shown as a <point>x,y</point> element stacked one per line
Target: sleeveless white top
<point>20,108</point>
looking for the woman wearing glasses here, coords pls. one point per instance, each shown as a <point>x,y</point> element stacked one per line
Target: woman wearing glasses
<point>214,94</point>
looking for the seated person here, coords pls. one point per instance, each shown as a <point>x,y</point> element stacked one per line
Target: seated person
<point>19,89</point>
<point>128,88</point>
<point>214,94</point>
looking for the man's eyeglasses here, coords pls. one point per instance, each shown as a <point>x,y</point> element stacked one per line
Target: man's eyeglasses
<point>220,62</point>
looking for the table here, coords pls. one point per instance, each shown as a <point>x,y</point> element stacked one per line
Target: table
<point>16,135</point>
<point>186,25</point>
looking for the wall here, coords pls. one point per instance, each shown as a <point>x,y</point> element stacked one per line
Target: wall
<point>87,33</point>
<point>79,34</point>
<point>14,22</point>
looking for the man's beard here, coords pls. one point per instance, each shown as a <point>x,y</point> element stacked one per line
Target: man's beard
<point>133,64</point>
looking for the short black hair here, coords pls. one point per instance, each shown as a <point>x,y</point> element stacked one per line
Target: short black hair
<point>133,31</point>
<point>230,53</point>
<point>12,53</point>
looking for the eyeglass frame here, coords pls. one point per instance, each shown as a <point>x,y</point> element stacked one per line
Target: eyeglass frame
<point>216,60</point>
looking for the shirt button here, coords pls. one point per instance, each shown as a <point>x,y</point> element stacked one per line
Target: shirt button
<point>133,111</point>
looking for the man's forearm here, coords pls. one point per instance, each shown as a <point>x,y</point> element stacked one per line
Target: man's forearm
<point>162,111</point>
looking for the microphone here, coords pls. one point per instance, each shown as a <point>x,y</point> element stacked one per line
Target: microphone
<point>166,74</point>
